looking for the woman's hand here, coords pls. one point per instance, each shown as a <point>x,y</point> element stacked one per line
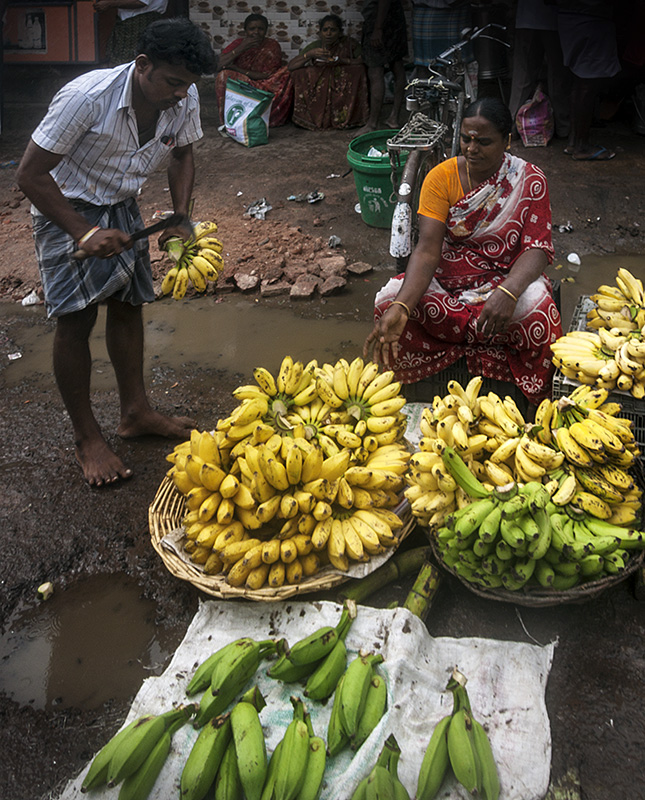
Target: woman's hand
<point>382,345</point>
<point>496,315</point>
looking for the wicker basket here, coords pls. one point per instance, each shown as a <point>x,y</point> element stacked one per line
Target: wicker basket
<point>536,596</point>
<point>164,517</point>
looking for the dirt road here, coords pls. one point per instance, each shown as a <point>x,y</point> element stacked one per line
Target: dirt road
<point>55,528</point>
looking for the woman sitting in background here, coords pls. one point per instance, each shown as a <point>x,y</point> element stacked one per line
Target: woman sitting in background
<point>474,285</point>
<point>330,81</point>
<point>256,60</point>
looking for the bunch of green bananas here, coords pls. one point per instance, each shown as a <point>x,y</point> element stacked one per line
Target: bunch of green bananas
<point>319,658</point>
<point>271,498</point>
<point>197,261</point>
<point>383,780</point>
<point>216,760</point>
<point>224,674</point>
<point>516,534</point>
<point>136,754</point>
<point>359,704</point>
<point>298,762</point>
<point>459,743</point>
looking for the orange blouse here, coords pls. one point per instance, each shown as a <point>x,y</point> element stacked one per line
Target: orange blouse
<point>441,189</point>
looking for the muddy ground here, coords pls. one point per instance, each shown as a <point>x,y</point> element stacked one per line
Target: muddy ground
<point>56,528</point>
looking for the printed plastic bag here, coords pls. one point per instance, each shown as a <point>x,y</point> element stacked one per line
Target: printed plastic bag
<point>534,120</point>
<point>246,113</point>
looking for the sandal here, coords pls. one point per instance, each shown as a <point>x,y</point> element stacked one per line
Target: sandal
<point>599,154</point>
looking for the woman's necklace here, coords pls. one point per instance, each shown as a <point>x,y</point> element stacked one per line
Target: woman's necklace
<point>470,183</point>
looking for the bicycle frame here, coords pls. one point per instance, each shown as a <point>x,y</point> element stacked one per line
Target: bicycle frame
<point>436,106</point>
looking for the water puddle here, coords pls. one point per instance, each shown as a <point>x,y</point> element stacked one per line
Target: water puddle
<point>93,642</point>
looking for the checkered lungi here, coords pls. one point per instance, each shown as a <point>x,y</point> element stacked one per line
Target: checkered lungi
<point>436,29</point>
<point>70,285</point>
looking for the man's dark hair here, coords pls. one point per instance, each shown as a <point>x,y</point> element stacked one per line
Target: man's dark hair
<point>180,42</point>
<point>338,22</point>
<point>494,110</point>
<point>256,18</point>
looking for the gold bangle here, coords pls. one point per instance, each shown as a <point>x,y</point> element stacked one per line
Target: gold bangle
<point>399,303</point>
<point>506,292</point>
<point>88,235</point>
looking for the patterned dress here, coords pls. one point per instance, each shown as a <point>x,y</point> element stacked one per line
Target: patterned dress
<point>486,231</point>
<point>331,95</point>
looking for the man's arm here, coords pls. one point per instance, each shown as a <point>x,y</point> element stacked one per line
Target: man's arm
<point>35,180</point>
<point>181,178</point>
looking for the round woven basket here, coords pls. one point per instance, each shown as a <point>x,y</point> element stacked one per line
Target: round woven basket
<point>165,515</point>
<point>536,595</point>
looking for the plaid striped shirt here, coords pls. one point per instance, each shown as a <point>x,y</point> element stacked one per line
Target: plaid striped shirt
<point>92,124</point>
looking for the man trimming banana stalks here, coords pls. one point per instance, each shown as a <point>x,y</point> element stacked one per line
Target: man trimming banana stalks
<point>103,134</point>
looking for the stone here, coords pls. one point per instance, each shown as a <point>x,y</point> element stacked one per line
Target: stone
<point>305,287</point>
<point>245,282</point>
<point>274,289</point>
<point>359,267</point>
<point>332,265</point>
<point>332,285</point>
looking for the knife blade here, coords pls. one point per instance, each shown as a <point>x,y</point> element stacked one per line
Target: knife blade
<point>162,224</point>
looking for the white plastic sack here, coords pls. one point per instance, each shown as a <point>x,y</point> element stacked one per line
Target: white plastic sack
<point>506,685</point>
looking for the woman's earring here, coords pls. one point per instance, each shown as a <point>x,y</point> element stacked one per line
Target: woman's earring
<point>508,146</point>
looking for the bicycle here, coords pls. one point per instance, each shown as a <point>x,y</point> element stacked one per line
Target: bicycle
<point>431,134</point>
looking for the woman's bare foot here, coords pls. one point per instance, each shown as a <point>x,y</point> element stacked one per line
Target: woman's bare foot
<point>153,423</point>
<point>100,464</point>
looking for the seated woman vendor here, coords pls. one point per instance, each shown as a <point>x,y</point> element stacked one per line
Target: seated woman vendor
<point>256,60</point>
<point>330,80</point>
<point>474,285</point>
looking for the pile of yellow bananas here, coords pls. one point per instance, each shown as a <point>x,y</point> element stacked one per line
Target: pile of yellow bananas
<point>304,472</point>
<point>577,445</point>
<point>612,355</point>
<point>197,261</point>
<point>484,429</point>
<point>608,359</point>
<point>621,306</point>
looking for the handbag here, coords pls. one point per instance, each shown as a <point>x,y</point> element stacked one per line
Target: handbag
<point>246,113</point>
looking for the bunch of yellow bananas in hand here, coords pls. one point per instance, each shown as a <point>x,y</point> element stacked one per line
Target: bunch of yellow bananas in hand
<point>197,261</point>
<point>289,482</point>
<point>609,359</point>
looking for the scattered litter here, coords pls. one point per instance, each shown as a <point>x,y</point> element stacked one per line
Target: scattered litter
<point>374,152</point>
<point>567,228</point>
<point>31,299</point>
<point>333,175</point>
<point>559,266</point>
<point>258,209</point>
<point>568,279</point>
<point>334,241</point>
<point>574,258</point>
<point>240,193</point>
<point>310,197</point>
<point>162,214</point>
<point>357,208</point>
<point>45,590</point>
<point>14,356</point>
<point>6,164</point>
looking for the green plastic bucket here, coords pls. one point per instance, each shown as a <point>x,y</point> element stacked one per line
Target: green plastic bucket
<point>373,177</point>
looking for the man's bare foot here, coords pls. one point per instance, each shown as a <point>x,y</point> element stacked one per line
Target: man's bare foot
<point>392,122</point>
<point>153,423</point>
<point>369,128</point>
<point>100,464</point>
